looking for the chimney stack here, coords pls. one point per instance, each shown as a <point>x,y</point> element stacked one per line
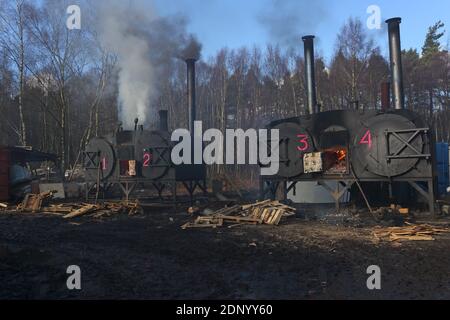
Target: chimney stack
<point>310,76</point>
<point>395,52</point>
<point>163,120</point>
<point>191,92</point>
<point>385,96</point>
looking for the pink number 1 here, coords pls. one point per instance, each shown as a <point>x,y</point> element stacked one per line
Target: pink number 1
<point>104,164</point>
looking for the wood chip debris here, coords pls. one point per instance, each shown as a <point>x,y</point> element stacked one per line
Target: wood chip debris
<point>265,212</point>
<point>410,232</point>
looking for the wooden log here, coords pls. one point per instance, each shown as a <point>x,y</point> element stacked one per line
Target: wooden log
<point>82,211</point>
<point>239,219</point>
<point>412,238</point>
<point>257,204</point>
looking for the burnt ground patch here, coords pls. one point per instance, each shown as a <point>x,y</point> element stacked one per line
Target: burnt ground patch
<point>150,257</point>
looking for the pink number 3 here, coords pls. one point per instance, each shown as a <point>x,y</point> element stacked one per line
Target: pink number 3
<point>303,141</point>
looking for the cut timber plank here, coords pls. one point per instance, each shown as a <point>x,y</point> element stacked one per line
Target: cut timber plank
<point>411,238</point>
<point>258,204</point>
<point>239,219</point>
<point>82,211</point>
<point>58,209</point>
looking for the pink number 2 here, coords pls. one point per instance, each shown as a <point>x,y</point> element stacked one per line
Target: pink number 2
<point>147,159</point>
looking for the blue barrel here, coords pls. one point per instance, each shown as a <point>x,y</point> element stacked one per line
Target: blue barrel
<point>442,157</point>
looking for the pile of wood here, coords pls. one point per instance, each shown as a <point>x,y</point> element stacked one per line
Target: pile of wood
<point>3,206</point>
<point>33,202</point>
<point>101,210</point>
<point>265,212</point>
<point>385,212</point>
<point>409,232</point>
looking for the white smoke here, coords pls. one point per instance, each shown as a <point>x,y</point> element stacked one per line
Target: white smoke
<point>145,44</point>
<point>118,23</point>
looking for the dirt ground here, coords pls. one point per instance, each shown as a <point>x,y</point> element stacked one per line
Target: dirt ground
<point>151,257</point>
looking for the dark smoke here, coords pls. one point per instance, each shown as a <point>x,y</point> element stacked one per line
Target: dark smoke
<point>192,50</point>
<point>287,20</point>
<point>146,45</point>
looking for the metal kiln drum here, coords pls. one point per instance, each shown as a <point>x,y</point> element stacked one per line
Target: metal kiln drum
<point>374,143</point>
<point>153,150</point>
<point>99,155</point>
<point>295,141</point>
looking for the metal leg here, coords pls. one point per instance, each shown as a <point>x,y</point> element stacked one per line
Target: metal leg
<point>174,194</point>
<point>337,193</point>
<point>285,190</point>
<point>274,185</point>
<point>431,200</point>
<point>127,189</point>
<point>428,195</point>
<point>262,194</point>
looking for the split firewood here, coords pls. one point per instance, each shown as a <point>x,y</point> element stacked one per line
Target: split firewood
<point>262,212</point>
<point>409,233</point>
<point>258,204</point>
<point>82,211</point>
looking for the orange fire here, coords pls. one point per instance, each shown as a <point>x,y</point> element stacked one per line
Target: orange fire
<point>342,154</point>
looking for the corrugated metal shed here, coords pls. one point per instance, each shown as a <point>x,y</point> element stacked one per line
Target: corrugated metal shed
<point>15,155</point>
<point>4,174</point>
<point>442,158</point>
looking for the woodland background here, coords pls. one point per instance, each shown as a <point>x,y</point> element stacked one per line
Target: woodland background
<point>58,88</point>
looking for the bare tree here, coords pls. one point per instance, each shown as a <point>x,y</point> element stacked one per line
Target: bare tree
<point>62,54</point>
<point>13,38</point>
<point>354,48</point>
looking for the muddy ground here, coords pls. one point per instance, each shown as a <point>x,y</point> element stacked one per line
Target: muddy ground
<point>151,257</point>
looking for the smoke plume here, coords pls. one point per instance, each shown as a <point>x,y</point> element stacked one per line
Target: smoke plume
<point>145,44</point>
<point>287,20</point>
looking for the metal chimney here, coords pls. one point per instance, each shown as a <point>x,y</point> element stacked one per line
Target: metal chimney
<point>191,92</point>
<point>163,120</point>
<point>310,75</point>
<point>396,62</point>
<point>385,96</point>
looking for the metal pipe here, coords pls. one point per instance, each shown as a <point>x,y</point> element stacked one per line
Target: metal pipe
<point>163,120</point>
<point>191,92</point>
<point>310,76</point>
<point>385,96</point>
<point>395,52</point>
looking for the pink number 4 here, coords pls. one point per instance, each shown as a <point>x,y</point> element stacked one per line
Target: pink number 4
<point>367,139</point>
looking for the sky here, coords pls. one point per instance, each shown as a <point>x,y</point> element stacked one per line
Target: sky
<point>237,23</point>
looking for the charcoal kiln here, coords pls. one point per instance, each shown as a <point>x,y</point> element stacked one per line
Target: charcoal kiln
<point>139,157</point>
<point>349,147</point>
